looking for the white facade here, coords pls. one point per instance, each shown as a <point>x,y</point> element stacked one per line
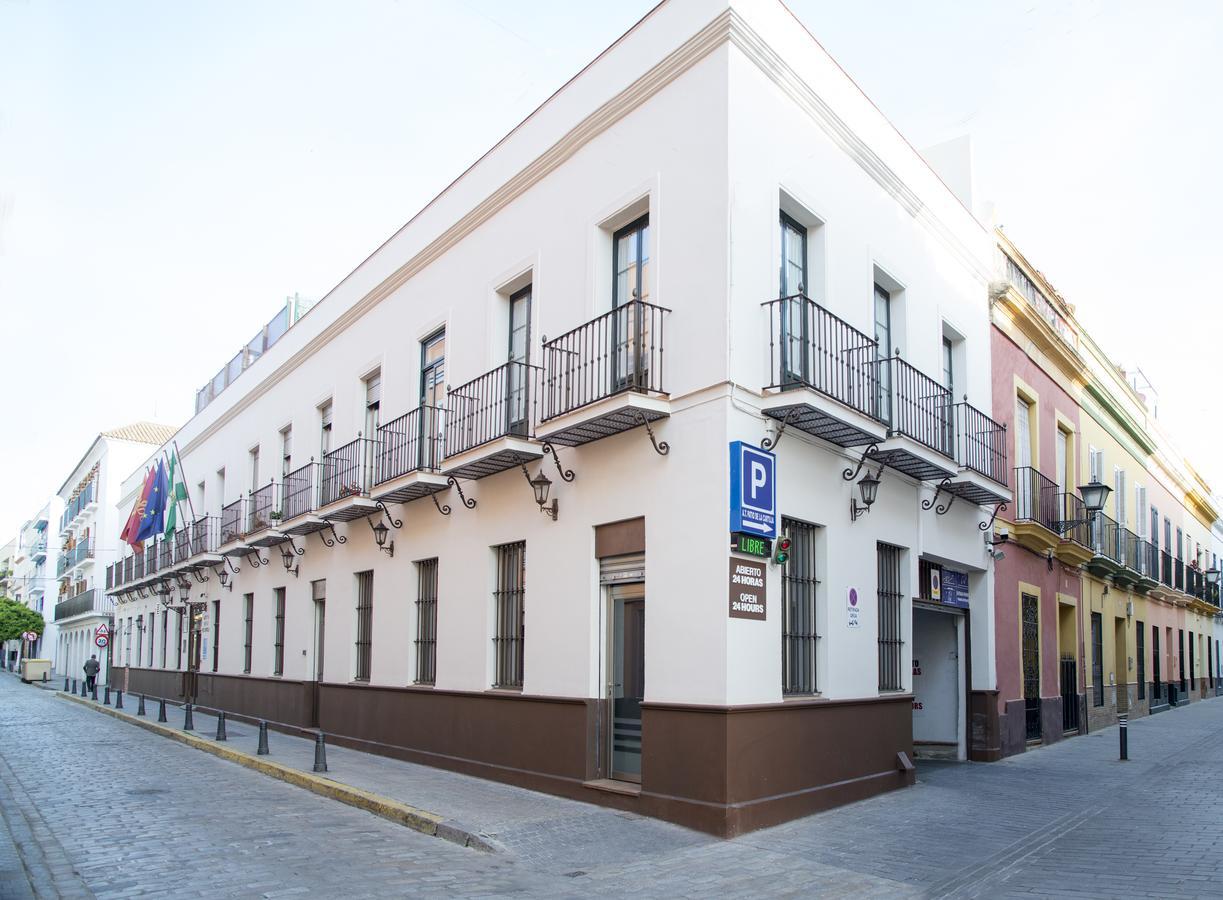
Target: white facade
<point>34,564</point>
<point>713,122</point>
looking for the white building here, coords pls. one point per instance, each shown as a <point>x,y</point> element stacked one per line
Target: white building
<point>34,564</point>
<point>597,295</point>
<point>89,540</point>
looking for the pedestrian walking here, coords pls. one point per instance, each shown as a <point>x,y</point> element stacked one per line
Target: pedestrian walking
<point>91,672</point>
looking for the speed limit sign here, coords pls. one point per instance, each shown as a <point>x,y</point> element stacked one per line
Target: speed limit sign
<point>101,640</point>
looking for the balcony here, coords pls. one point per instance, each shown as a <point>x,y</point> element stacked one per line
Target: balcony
<point>300,493</point>
<point>90,602</point>
<point>490,422</point>
<point>229,537</point>
<point>78,554</point>
<point>918,410</point>
<point>1038,510</point>
<point>823,379</point>
<point>1107,547</point>
<point>205,536</point>
<point>409,455</point>
<point>165,554</point>
<point>605,377</point>
<point>346,479</point>
<point>980,452</point>
<point>38,552</point>
<point>85,501</point>
<point>264,512</point>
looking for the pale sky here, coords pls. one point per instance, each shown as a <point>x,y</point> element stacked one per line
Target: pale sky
<point>169,172</point>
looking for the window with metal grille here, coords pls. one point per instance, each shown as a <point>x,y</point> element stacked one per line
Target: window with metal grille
<point>153,635</point>
<point>248,631</point>
<point>278,645</point>
<point>140,639</point>
<point>365,624</point>
<point>891,641</point>
<point>426,621</point>
<point>1097,659</point>
<point>1157,691</point>
<point>798,590</point>
<point>1180,636</point>
<point>1192,668</point>
<point>509,600</point>
<point>165,638</point>
<point>178,652</point>
<point>1140,648</point>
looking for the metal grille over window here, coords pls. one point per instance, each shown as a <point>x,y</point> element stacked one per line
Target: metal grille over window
<point>426,621</point>
<point>365,622</point>
<point>510,614</point>
<point>278,667</point>
<point>248,631</point>
<point>1140,652</point>
<point>1030,623</point>
<point>1097,659</point>
<point>891,641</point>
<point>798,592</point>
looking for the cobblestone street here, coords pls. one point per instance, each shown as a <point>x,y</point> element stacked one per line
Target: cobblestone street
<point>92,806</point>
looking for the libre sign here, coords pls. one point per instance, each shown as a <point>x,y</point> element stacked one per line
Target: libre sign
<point>746,589</point>
<point>753,490</point>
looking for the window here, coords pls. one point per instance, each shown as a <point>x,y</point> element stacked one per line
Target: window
<point>324,416</point>
<point>254,454</point>
<point>153,632</point>
<point>1157,690</point>
<point>1119,496</point>
<point>1062,451</point>
<point>1097,659</point>
<point>793,257</point>
<point>178,652</point>
<point>286,450</point>
<point>139,639</point>
<point>365,624</point>
<point>432,396</point>
<point>248,630</point>
<point>127,643</point>
<point>1140,510</point>
<point>199,490</point>
<point>373,404</point>
<point>948,365</point>
<point>165,638</point>
<point>1023,431</point>
<point>883,338</point>
<point>1095,464</point>
<point>1140,648</point>
<point>1192,667</point>
<point>278,644</point>
<point>426,621</point>
<point>518,355</point>
<point>631,262</point>
<point>220,489</point>
<point>798,593</point>
<point>509,601</point>
<point>891,640</point>
<point>1180,643</point>
<point>216,633</point>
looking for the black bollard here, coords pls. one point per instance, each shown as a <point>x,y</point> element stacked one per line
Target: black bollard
<point>74,685</point>
<point>320,753</point>
<point>188,718</point>
<point>161,710</point>
<point>106,696</point>
<point>44,678</point>
<point>118,699</point>
<point>1123,720</point>
<point>65,684</point>
<point>140,706</point>
<point>93,692</point>
<point>221,736</point>
<point>85,689</point>
<point>263,740</point>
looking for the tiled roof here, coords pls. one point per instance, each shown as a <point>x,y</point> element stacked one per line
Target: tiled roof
<point>142,432</point>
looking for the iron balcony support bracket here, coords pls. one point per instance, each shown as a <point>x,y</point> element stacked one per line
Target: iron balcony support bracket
<point>566,474</point>
<point>870,453</point>
<point>199,575</point>
<point>391,520</point>
<point>986,526</point>
<point>662,448</point>
<point>771,443</point>
<point>334,539</point>
<point>255,559</point>
<point>300,551</point>
<point>443,508</point>
<point>454,483</point>
<point>942,508</point>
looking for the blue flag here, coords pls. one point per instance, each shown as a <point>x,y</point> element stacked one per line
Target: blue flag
<point>153,522</point>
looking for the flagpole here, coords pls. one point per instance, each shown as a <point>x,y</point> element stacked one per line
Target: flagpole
<point>178,454</point>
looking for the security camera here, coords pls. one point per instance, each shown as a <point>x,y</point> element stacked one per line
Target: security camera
<point>997,555</point>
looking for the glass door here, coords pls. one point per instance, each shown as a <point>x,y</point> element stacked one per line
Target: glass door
<point>795,330</point>
<point>432,400</point>
<point>517,382</point>
<point>626,688</point>
<point>883,350</point>
<point>629,331</point>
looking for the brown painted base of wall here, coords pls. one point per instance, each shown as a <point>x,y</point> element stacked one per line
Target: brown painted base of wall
<point>985,738</point>
<point>723,770</point>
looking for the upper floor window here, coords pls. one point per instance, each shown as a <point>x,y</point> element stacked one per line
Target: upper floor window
<point>324,413</point>
<point>949,365</point>
<point>793,257</point>
<point>286,450</point>
<point>433,370</point>
<point>373,404</point>
<point>631,262</point>
<point>254,468</point>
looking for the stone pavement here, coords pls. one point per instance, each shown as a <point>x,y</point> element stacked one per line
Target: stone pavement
<point>92,802</point>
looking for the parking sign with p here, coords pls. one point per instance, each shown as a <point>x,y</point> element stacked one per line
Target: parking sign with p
<point>753,490</point>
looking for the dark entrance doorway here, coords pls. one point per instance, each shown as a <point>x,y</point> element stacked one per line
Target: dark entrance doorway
<point>626,689</point>
<point>1030,620</point>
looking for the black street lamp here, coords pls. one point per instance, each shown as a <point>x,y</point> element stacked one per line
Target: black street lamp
<point>868,487</point>
<point>380,533</point>
<point>541,484</point>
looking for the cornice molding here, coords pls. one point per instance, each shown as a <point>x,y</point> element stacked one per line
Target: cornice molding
<point>728,27</point>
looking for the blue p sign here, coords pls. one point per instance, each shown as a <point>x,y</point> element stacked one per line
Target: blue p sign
<point>753,490</point>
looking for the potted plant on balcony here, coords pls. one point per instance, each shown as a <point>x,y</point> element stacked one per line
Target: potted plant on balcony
<point>275,515</point>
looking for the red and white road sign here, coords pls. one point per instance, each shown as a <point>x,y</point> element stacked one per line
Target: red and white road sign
<point>102,630</point>
<point>101,640</point>
<point>30,635</point>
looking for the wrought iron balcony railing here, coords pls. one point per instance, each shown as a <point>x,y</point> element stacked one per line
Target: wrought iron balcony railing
<point>1178,571</point>
<point>204,535</point>
<point>980,443</point>
<point>915,405</point>
<point>500,403</point>
<point>300,490</point>
<point>165,554</point>
<point>621,350</point>
<point>90,601</point>
<point>1165,572</point>
<point>1106,538</point>
<point>264,509</point>
<point>811,347</point>
<point>411,443</point>
<point>182,544</point>
<point>348,471</point>
<point>231,522</point>
<point>1036,498</point>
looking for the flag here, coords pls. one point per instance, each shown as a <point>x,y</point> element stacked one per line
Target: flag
<point>131,529</point>
<point>152,524</point>
<point>178,493</point>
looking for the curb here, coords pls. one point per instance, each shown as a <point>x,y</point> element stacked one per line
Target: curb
<point>384,807</point>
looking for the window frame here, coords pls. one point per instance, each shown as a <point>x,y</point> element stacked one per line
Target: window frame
<point>890,593</point>
<point>278,637</point>
<point>800,649</point>
<point>509,616</point>
<point>425,642</point>
<point>364,643</point>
